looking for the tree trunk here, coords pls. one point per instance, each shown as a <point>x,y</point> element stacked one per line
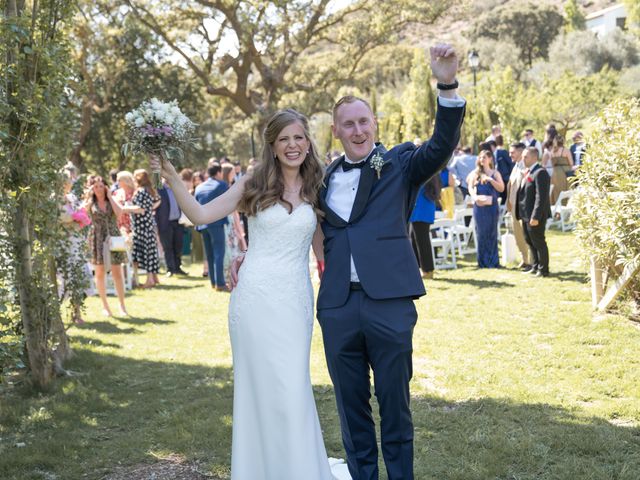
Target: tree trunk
<point>34,327</point>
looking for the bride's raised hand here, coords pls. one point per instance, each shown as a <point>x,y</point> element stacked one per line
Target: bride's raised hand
<point>167,170</point>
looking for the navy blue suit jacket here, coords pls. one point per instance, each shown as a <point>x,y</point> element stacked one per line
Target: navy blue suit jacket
<point>376,234</point>
<point>162,212</point>
<point>504,164</point>
<point>207,191</point>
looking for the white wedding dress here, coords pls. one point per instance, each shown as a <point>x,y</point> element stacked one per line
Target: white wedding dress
<point>276,431</point>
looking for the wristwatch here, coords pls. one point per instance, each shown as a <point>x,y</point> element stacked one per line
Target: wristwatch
<point>447,86</point>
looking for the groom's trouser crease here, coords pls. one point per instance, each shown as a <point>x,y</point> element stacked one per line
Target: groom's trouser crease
<point>377,333</point>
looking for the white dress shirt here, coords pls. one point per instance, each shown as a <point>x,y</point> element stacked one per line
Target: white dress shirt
<point>343,186</point>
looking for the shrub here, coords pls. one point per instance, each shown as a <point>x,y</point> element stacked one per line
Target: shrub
<point>607,211</point>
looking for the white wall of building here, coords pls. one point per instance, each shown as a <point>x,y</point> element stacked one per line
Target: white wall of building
<point>605,21</point>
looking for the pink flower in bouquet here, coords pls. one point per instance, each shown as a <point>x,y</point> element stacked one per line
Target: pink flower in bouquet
<point>81,217</point>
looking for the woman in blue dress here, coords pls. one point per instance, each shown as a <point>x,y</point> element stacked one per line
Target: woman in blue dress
<point>422,217</point>
<point>485,183</point>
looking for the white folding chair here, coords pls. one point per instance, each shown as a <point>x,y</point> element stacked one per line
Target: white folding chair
<point>556,209</point>
<point>465,236</point>
<point>443,242</point>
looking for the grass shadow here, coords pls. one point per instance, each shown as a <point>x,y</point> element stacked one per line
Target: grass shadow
<point>570,276</point>
<point>145,320</point>
<point>124,411</point>
<point>474,282</point>
<point>106,327</point>
<point>164,286</point>
<point>118,411</point>
<point>496,438</point>
<point>79,339</point>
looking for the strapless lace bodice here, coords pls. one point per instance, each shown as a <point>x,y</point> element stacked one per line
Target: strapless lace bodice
<point>279,243</point>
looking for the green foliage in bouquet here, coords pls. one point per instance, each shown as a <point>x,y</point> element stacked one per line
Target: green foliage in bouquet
<point>608,198</point>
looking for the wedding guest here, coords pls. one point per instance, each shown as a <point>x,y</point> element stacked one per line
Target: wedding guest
<point>577,149</point>
<point>515,180</point>
<point>123,196</point>
<point>238,171</point>
<point>170,231</point>
<point>422,218</point>
<point>198,252</point>
<point>186,175</point>
<point>145,248</point>
<point>113,177</point>
<point>485,183</point>
<point>533,209</point>
<point>74,269</point>
<point>529,141</point>
<point>447,194</point>
<point>550,133</point>
<point>558,159</point>
<point>461,166</point>
<point>234,230</point>
<point>495,131</point>
<point>213,233</point>
<point>103,210</point>
<point>504,165</point>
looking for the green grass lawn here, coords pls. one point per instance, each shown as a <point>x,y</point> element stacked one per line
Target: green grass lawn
<point>514,378</point>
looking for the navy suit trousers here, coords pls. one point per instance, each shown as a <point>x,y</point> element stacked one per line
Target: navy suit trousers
<point>364,335</point>
<point>214,240</point>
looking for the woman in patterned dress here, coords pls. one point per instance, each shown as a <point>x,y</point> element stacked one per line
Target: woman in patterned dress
<point>145,247</point>
<point>235,242</point>
<point>104,210</point>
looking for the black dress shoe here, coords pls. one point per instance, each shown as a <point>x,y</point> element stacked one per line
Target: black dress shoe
<point>181,272</point>
<point>169,274</point>
<point>540,273</point>
<point>528,269</point>
<point>525,267</point>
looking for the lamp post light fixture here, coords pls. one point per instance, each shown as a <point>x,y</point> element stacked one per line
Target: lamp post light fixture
<point>474,62</point>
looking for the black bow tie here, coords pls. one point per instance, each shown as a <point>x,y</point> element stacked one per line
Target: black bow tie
<point>346,166</point>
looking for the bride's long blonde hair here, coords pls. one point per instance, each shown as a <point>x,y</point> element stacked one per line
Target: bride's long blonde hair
<point>266,187</point>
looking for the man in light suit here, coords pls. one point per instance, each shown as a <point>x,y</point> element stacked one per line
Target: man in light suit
<point>517,174</point>
<point>213,234</point>
<point>371,277</point>
<point>533,209</point>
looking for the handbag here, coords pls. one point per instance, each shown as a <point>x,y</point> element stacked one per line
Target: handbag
<point>484,200</point>
<point>117,244</point>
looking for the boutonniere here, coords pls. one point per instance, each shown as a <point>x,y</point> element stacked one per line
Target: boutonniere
<point>529,179</point>
<point>377,162</point>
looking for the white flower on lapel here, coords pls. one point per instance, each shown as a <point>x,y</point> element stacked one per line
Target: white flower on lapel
<point>377,162</point>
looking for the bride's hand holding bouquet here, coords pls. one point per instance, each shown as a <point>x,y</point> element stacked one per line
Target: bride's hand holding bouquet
<point>161,131</point>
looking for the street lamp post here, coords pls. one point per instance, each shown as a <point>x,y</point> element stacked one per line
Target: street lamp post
<point>474,62</point>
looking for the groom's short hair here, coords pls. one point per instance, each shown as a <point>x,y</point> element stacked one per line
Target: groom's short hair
<point>349,99</point>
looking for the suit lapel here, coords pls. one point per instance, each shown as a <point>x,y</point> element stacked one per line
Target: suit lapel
<point>367,179</point>
<point>332,217</point>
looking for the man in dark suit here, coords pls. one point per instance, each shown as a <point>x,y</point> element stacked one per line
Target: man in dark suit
<point>371,277</point>
<point>503,163</point>
<point>533,209</point>
<point>530,141</point>
<point>170,231</point>
<point>578,149</point>
<point>213,233</point>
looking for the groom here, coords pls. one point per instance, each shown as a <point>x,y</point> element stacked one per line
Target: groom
<point>371,277</point>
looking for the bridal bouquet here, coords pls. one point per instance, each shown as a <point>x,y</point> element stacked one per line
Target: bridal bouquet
<point>160,129</point>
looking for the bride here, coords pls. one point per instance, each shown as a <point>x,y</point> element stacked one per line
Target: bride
<point>276,431</point>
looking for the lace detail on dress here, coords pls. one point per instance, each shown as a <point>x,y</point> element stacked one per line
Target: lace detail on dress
<point>277,260</point>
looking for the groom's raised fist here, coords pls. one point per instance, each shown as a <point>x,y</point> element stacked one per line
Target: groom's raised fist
<point>444,62</point>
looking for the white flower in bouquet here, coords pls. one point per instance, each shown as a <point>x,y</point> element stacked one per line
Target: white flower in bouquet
<point>160,129</point>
